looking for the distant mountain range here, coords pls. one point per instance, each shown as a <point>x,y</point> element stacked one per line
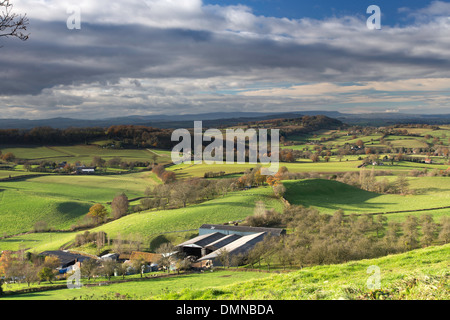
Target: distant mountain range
<point>224,118</point>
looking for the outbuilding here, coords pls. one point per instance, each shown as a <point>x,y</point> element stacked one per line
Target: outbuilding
<point>65,258</point>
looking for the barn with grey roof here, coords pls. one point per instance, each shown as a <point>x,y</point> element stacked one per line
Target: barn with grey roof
<point>214,239</point>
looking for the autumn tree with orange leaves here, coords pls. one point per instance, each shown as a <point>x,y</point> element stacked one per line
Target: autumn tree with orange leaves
<point>98,212</point>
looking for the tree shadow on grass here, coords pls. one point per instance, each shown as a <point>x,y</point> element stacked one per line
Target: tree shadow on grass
<point>216,205</point>
<point>14,240</point>
<point>72,209</point>
<point>330,194</point>
<point>425,191</point>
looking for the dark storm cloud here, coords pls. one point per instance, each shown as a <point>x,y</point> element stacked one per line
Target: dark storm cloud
<point>105,54</point>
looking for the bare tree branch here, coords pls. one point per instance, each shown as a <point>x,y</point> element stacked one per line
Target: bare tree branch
<point>12,24</point>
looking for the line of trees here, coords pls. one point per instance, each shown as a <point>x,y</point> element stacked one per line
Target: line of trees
<point>367,181</point>
<point>135,136</point>
<point>181,193</point>
<point>126,136</point>
<point>118,162</point>
<point>98,214</point>
<point>48,135</point>
<point>7,157</point>
<point>363,179</point>
<point>26,267</point>
<point>163,174</point>
<point>184,192</point>
<point>318,239</point>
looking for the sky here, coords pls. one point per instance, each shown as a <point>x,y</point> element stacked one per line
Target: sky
<point>145,57</point>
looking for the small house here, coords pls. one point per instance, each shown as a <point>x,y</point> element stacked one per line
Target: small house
<point>85,170</point>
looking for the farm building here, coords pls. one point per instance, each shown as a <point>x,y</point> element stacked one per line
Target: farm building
<point>85,170</point>
<point>195,247</point>
<point>240,246</point>
<point>234,239</point>
<point>239,230</point>
<point>110,256</point>
<point>67,259</point>
<point>216,245</point>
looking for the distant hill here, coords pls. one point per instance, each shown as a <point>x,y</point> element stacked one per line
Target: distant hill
<point>224,118</point>
<point>390,118</point>
<point>158,121</point>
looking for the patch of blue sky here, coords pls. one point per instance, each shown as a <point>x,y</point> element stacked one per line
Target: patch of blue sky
<point>393,12</point>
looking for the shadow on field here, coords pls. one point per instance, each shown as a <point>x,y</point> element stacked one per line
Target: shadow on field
<point>72,209</point>
<point>429,190</point>
<point>329,194</point>
<point>240,204</point>
<point>14,240</point>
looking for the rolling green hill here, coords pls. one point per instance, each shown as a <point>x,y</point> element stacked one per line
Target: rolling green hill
<point>61,200</point>
<point>150,224</point>
<point>417,275</point>
<point>159,225</point>
<point>329,196</point>
<point>83,153</point>
<point>421,274</point>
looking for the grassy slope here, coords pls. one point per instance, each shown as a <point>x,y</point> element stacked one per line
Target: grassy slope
<point>420,274</point>
<point>5,174</point>
<point>334,166</point>
<point>37,242</point>
<point>149,224</point>
<point>83,153</point>
<point>61,200</point>
<point>144,289</point>
<point>329,196</point>
<point>232,207</point>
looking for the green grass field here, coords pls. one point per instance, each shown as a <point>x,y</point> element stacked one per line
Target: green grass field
<point>342,137</point>
<point>417,275</point>
<point>5,174</point>
<point>84,153</point>
<point>233,207</point>
<point>329,196</point>
<point>421,274</point>
<point>334,166</point>
<point>62,200</point>
<point>151,224</point>
<point>37,242</point>
<point>143,290</point>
